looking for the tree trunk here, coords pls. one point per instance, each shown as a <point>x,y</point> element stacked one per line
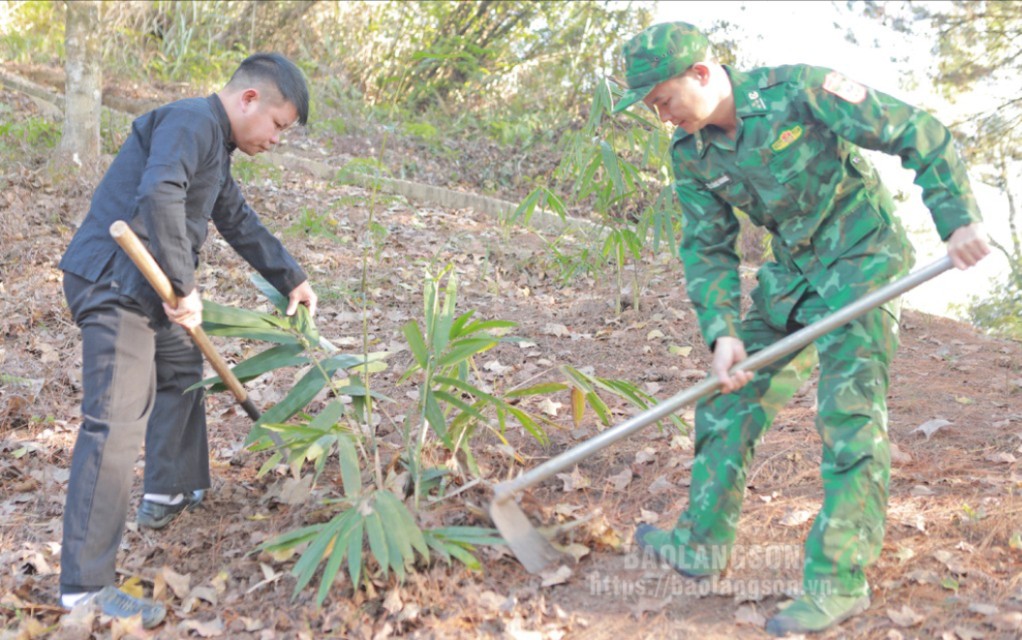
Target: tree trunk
<point>79,143</point>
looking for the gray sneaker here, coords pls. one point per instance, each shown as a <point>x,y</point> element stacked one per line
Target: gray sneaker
<point>156,515</point>
<point>115,603</point>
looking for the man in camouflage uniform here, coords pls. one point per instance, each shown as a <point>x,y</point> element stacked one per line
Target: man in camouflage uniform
<point>782,145</point>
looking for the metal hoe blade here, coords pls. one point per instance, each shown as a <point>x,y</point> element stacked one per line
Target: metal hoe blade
<point>530,547</point>
<point>536,553</point>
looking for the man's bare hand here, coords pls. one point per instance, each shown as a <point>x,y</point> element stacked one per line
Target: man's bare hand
<point>967,246</point>
<point>188,313</point>
<point>302,294</point>
<point>728,352</point>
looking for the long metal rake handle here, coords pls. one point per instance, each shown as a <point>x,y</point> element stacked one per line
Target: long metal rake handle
<point>802,338</point>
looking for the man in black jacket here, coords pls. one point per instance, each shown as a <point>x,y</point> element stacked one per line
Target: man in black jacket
<point>171,176</point>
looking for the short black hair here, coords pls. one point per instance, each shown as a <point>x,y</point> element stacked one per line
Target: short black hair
<point>282,73</point>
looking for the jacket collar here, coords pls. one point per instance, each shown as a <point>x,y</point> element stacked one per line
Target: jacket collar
<point>748,103</point>
<point>217,106</point>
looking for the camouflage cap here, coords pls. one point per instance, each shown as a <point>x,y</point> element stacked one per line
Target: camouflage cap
<point>659,53</point>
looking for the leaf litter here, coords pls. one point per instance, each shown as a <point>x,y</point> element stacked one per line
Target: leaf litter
<point>205,565</point>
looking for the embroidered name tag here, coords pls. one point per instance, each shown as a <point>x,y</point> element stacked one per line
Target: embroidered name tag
<point>844,88</point>
<point>786,138</point>
<point>719,182</point>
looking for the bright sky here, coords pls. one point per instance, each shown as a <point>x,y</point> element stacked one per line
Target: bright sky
<point>776,32</point>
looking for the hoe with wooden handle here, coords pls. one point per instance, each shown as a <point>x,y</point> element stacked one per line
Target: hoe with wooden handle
<point>145,262</point>
<point>536,553</point>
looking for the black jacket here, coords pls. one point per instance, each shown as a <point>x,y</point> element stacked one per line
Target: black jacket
<point>171,176</point>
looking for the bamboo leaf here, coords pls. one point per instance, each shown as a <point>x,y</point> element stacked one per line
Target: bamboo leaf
<point>467,409</point>
<point>578,406</point>
<point>328,416</point>
<point>536,390</point>
<point>302,322</point>
<point>398,544</point>
<point>266,334</point>
<point>435,418</point>
<point>610,162</point>
<point>415,342</point>
<point>577,377</point>
<point>467,388</point>
<point>218,314</point>
<point>355,552</point>
<point>292,539</point>
<point>284,355</point>
<point>465,349</point>
<point>464,556</point>
<point>378,541</point>
<point>599,407</point>
<point>524,211</point>
<point>270,464</point>
<point>313,555</point>
<point>530,425</point>
<point>338,551</point>
<point>351,473</point>
<point>276,298</point>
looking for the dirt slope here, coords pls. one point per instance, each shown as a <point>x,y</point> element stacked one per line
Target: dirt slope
<point>953,554</point>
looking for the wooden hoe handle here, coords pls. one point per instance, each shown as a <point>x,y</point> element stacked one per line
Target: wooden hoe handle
<point>145,262</point>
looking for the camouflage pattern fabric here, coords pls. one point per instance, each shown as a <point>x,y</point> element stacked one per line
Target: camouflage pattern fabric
<point>659,53</point>
<point>795,169</point>
<point>852,422</point>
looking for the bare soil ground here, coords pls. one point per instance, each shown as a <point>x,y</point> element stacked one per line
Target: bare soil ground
<point>952,560</point>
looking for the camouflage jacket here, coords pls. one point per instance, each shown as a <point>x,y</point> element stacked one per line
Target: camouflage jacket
<point>795,168</point>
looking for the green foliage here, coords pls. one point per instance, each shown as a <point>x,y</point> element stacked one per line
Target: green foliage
<point>444,348</point>
<point>373,518</point>
<point>36,33</point>
<point>462,53</point>
<point>1000,311</point>
<point>32,136</point>
<point>313,223</point>
<point>249,171</point>
<point>423,130</point>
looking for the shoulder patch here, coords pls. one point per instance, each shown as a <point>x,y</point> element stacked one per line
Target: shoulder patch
<point>844,88</point>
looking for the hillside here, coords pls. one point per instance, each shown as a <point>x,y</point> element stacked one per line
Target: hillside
<point>952,561</point>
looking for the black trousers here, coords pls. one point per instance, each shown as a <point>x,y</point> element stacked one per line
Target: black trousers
<point>134,376</point>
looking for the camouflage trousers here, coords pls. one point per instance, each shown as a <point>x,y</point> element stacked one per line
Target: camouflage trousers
<point>847,534</point>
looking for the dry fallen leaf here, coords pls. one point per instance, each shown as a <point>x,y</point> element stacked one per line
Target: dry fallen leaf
<point>660,485</point>
<point>648,605</point>
<point>905,617</point>
<point>554,329</point>
<point>645,455</point>
<point>796,517</point>
<point>620,480</point>
<point>899,456</point>
<point>649,517</point>
<point>575,550</point>
<point>1000,457</point>
<point>953,563</point>
<point>931,427</point>
<point>573,481</point>
<point>749,615</point>
<point>206,629</point>
<point>983,608</point>
<point>680,351</point>
<point>556,576</point>
<point>167,577</point>
<point>550,407</point>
